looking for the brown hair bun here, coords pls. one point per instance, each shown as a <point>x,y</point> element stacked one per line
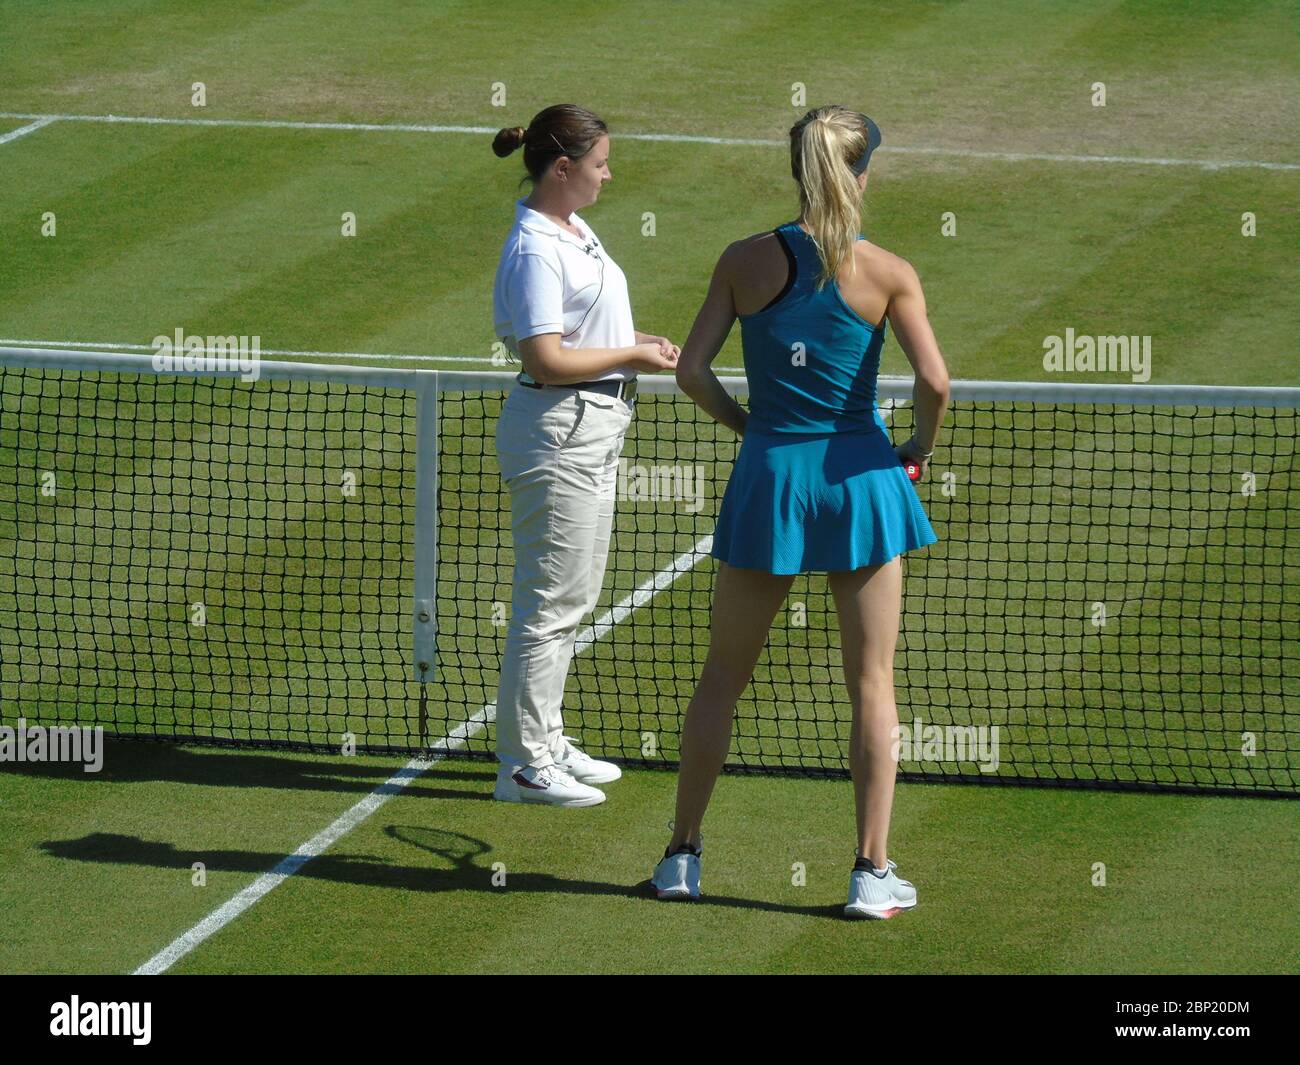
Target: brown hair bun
<point>508,140</point>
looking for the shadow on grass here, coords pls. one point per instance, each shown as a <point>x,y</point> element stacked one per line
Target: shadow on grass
<point>455,867</point>
<point>135,762</point>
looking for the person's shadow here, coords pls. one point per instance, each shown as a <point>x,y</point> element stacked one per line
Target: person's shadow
<point>138,761</point>
<point>460,865</point>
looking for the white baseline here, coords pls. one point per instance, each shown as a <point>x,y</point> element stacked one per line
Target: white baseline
<point>671,138</point>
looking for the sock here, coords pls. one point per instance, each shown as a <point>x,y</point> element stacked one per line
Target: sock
<point>669,852</point>
<point>864,865</point>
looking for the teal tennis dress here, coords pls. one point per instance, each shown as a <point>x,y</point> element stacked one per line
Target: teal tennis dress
<point>816,486</point>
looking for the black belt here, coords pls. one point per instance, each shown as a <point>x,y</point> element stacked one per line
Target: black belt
<point>623,390</point>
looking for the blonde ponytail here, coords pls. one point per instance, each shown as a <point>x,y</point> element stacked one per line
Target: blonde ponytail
<point>822,144</point>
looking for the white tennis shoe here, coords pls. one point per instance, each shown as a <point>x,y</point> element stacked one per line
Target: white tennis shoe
<point>677,876</point>
<point>582,767</point>
<point>548,786</point>
<point>878,897</point>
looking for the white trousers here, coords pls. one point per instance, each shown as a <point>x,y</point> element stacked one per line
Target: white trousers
<point>558,450</point>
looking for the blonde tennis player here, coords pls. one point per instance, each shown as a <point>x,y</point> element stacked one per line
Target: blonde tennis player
<point>561,304</point>
<point>817,485</point>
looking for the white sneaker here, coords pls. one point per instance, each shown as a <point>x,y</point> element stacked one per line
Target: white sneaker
<point>549,785</point>
<point>677,876</point>
<point>582,767</point>
<point>878,897</point>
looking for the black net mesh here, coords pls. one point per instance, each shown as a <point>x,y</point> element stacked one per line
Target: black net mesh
<point>1108,605</point>
<point>207,558</point>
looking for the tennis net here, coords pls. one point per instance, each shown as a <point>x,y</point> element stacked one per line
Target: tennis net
<point>197,557</point>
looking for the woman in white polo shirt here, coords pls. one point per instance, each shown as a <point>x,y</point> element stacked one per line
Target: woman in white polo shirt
<point>560,303</point>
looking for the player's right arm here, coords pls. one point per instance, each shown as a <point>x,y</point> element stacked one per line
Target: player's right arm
<point>931,393</point>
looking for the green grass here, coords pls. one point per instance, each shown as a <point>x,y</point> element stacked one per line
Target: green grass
<point>225,230</point>
<point>237,230</point>
<point>1005,877</point>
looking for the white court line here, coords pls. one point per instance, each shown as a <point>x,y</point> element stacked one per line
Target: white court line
<point>80,345</point>
<point>323,840</point>
<point>22,131</point>
<point>456,740</point>
<point>671,138</point>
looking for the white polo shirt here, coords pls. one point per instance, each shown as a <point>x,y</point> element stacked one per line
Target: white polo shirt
<point>549,281</point>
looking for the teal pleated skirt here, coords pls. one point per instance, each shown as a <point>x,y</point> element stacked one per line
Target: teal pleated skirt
<point>819,503</point>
